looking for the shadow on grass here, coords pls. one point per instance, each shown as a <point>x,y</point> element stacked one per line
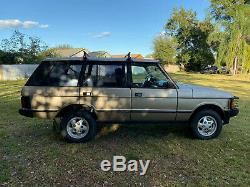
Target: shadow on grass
<point>143,130</point>
<point>133,131</point>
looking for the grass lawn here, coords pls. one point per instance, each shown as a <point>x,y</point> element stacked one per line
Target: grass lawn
<point>32,154</point>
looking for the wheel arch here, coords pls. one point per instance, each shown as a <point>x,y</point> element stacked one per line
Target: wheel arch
<point>75,107</point>
<point>213,107</point>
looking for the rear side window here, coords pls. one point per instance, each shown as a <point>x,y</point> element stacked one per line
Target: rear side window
<point>55,74</point>
<point>105,75</point>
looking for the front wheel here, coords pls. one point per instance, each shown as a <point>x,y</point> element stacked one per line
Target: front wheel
<point>206,124</point>
<point>78,127</point>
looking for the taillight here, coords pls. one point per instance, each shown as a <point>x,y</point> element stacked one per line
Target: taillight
<point>25,101</point>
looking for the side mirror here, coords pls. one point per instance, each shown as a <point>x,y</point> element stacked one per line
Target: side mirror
<point>168,84</point>
<point>165,84</point>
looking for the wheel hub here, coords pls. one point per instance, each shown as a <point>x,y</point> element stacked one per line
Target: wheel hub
<point>207,125</point>
<point>77,127</point>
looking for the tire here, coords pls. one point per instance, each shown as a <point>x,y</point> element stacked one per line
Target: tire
<point>78,127</point>
<point>206,124</point>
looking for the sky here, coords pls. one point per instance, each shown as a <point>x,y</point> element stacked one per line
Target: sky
<point>116,26</point>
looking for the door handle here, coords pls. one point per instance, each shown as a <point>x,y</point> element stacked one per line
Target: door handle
<point>138,94</point>
<point>86,94</point>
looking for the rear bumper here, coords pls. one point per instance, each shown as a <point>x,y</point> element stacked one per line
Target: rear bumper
<point>44,114</point>
<point>26,112</point>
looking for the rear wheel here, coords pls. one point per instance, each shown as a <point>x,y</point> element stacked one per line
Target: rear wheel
<point>78,127</point>
<point>206,124</point>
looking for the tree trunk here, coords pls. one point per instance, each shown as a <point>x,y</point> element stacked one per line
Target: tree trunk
<point>235,65</point>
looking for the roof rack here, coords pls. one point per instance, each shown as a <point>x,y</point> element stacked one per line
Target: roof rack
<point>128,56</point>
<point>85,55</point>
<point>76,53</point>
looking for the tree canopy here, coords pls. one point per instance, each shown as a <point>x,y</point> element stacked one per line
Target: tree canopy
<point>223,37</point>
<point>191,34</point>
<point>233,48</point>
<point>20,48</point>
<point>165,49</point>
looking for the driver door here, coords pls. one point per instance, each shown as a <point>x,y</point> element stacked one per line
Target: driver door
<point>152,101</point>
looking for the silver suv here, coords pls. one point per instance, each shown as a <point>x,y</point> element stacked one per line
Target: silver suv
<point>83,91</point>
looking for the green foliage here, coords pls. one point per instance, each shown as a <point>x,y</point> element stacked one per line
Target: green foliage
<point>216,38</point>
<point>20,48</point>
<point>200,43</point>
<point>225,10</point>
<point>165,49</point>
<point>233,16</point>
<point>6,57</point>
<point>247,62</point>
<point>193,50</point>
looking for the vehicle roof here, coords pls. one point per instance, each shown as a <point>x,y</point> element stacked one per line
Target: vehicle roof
<point>89,59</point>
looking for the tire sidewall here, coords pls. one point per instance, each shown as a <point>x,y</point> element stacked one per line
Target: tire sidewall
<point>87,116</point>
<point>198,116</point>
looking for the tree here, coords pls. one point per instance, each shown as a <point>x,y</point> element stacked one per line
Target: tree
<point>193,50</point>
<point>165,49</point>
<point>24,49</point>
<point>6,57</point>
<point>233,16</point>
<point>49,53</point>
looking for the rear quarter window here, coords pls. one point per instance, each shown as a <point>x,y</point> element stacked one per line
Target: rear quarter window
<point>55,74</point>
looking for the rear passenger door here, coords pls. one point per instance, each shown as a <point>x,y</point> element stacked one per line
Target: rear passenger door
<point>105,87</point>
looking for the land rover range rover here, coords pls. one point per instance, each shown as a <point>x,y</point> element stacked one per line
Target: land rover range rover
<point>82,92</point>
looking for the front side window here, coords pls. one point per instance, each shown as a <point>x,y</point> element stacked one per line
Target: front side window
<point>105,75</point>
<point>149,76</point>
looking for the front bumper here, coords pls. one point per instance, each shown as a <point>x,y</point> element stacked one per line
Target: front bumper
<point>230,113</point>
<point>233,112</point>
